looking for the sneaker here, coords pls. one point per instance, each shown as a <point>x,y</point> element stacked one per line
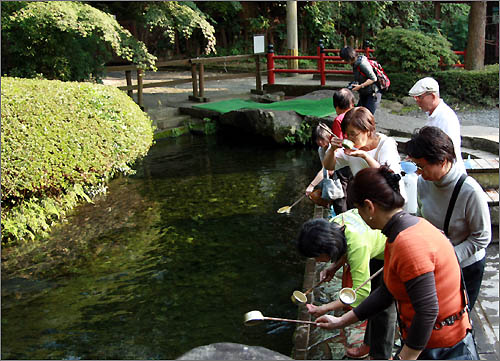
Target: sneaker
<point>358,352</point>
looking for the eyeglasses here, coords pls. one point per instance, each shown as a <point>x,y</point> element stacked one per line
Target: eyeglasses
<point>352,134</point>
<point>421,96</point>
<point>419,168</point>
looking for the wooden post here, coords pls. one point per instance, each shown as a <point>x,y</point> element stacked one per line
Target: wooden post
<point>195,81</point>
<point>202,80</point>
<point>258,78</point>
<point>140,73</point>
<point>128,76</point>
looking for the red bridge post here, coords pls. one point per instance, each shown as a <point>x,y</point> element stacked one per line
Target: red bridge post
<point>270,64</point>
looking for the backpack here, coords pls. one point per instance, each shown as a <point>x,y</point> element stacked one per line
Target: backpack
<point>383,81</point>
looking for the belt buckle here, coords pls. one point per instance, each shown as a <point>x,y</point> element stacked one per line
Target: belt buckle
<point>450,320</point>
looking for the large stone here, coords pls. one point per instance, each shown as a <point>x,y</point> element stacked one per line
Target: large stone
<point>268,123</point>
<point>271,123</point>
<point>232,351</point>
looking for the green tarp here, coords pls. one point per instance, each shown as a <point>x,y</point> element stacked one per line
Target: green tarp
<point>318,108</point>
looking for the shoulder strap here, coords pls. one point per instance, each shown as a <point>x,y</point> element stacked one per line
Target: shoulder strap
<point>325,173</point>
<point>380,144</point>
<point>453,199</point>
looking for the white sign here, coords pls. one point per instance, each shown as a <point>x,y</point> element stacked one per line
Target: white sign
<point>258,44</point>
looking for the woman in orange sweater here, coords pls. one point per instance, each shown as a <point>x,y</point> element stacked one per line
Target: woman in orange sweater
<point>421,273</point>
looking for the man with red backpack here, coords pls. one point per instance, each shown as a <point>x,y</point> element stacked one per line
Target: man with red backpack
<point>369,78</point>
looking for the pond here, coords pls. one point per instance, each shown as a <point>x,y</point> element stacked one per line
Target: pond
<point>182,250</point>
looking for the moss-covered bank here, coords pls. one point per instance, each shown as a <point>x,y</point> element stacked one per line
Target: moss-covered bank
<point>60,141</point>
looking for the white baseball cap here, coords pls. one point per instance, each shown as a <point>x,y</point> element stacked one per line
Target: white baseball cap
<point>424,85</point>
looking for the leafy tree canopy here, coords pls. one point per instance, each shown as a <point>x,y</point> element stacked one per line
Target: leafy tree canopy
<point>64,40</point>
<point>172,16</point>
<point>168,17</point>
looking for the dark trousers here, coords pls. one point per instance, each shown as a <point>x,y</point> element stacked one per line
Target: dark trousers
<point>369,101</point>
<point>380,328</point>
<point>473,276</point>
<point>345,176</point>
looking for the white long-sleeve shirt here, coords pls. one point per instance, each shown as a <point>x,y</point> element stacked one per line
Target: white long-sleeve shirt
<point>444,118</point>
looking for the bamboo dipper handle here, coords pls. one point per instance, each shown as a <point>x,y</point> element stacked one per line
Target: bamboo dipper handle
<point>373,275</point>
<point>287,320</point>
<point>313,287</point>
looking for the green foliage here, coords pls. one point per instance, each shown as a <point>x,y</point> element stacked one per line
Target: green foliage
<point>301,135</point>
<point>65,40</point>
<point>210,126</point>
<point>223,11</point>
<point>400,50</point>
<point>57,140</point>
<point>401,84</point>
<point>319,21</point>
<point>260,23</point>
<point>476,87</point>
<point>183,18</point>
<point>455,24</point>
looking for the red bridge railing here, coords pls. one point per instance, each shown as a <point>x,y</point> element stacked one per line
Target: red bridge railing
<point>323,59</point>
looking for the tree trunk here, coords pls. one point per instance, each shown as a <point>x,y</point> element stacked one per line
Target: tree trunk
<point>474,57</point>
<point>223,38</point>
<point>177,45</point>
<point>437,10</point>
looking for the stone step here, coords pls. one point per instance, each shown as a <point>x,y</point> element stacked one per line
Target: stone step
<point>173,122</point>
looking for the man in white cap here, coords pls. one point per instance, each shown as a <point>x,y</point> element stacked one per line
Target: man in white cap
<point>440,115</point>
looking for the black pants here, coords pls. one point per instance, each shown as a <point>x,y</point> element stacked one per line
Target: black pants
<point>380,328</point>
<point>473,276</point>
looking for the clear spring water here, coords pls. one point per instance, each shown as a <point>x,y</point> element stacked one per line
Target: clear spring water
<point>181,251</point>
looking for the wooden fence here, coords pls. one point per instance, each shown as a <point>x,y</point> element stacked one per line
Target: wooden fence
<point>197,66</point>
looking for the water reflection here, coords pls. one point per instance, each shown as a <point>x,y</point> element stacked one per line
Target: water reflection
<point>177,254</point>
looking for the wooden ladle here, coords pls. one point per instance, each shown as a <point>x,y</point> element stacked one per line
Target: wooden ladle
<point>286,209</point>
<point>300,298</point>
<point>347,295</point>
<point>254,317</point>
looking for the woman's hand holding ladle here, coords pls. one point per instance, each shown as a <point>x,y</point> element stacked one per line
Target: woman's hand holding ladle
<point>316,311</point>
<point>331,322</point>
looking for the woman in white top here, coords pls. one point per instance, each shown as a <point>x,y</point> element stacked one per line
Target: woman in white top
<point>371,149</point>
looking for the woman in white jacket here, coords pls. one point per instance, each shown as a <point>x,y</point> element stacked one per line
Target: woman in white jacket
<point>370,149</point>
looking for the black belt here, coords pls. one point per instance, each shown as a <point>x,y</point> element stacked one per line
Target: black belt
<point>450,320</point>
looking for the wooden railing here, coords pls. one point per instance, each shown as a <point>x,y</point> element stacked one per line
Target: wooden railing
<point>197,67</point>
<point>322,59</point>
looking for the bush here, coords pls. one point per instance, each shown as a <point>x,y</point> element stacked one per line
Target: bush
<point>475,87</point>
<point>58,141</point>
<point>400,50</point>
<point>65,40</point>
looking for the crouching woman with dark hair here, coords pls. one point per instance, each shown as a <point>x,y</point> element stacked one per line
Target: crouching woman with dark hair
<point>421,273</point>
<point>348,239</point>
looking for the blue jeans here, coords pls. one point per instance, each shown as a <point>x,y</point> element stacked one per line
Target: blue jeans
<point>473,276</point>
<point>369,101</point>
